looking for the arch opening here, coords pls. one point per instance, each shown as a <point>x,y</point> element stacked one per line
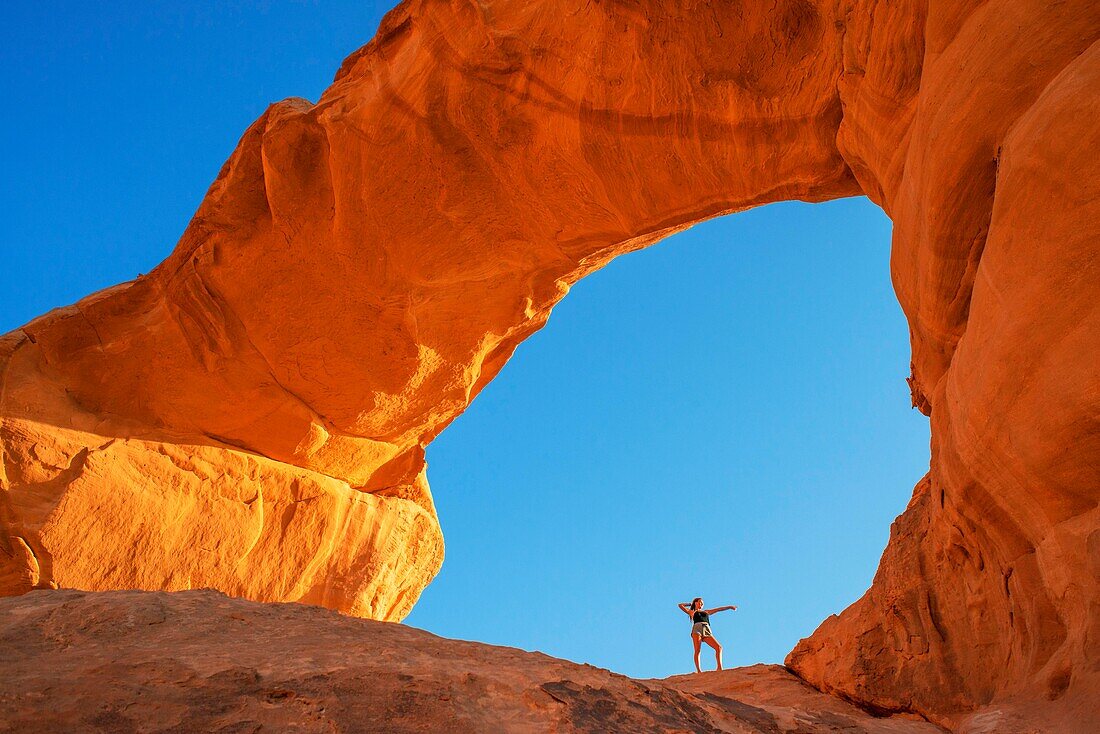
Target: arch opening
<point>723,411</point>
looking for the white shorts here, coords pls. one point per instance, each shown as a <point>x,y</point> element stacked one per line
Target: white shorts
<point>702,629</point>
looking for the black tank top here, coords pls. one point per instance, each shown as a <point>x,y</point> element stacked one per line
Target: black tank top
<point>700,616</point>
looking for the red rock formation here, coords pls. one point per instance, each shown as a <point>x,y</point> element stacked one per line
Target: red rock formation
<point>252,414</point>
<point>197,661</point>
<point>989,587</point>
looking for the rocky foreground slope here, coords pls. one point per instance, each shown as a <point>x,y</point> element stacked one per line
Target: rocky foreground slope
<point>252,414</point>
<point>198,661</point>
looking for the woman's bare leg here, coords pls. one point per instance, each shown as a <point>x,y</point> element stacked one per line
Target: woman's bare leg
<point>695,639</point>
<point>713,642</point>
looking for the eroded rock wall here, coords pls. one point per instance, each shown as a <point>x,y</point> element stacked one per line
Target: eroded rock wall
<point>252,414</point>
<point>988,588</point>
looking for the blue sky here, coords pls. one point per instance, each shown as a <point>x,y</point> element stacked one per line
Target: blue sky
<point>724,414</point>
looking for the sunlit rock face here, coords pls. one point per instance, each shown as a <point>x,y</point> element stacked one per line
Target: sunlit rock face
<point>252,415</point>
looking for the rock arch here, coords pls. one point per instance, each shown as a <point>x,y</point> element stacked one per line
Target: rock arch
<point>252,414</point>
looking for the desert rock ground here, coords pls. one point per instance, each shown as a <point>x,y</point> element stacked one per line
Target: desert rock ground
<point>192,661</point>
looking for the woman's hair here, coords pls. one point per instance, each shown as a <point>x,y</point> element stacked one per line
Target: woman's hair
<point>696,600</point>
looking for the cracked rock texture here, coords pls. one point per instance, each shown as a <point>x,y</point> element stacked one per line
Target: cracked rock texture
<point>252,415</point>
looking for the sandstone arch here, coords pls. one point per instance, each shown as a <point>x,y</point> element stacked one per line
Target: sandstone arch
<point>252,414</point>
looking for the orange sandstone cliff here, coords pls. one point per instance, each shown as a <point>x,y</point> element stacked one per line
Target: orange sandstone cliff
<point>252,415</point>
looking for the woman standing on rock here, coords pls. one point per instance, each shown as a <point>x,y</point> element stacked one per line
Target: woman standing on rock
<point>700,628</point>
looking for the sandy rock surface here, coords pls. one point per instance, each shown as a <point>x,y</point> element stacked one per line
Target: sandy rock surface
<point>199,661</point>
<point>252,415</point>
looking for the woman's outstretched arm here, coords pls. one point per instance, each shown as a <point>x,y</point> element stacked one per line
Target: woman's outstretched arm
<point>720,609</point>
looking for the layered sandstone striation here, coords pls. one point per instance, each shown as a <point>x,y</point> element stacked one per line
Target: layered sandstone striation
<point>252,415</point>
<point>197,661</point>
